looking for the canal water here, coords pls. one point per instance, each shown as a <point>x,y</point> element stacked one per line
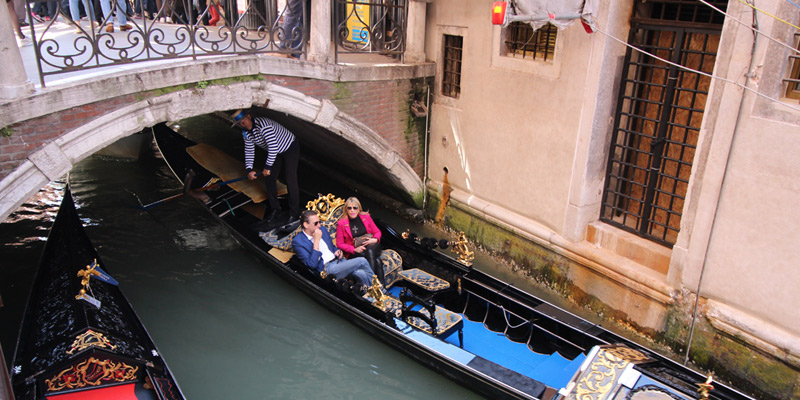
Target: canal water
<point>227,326</point>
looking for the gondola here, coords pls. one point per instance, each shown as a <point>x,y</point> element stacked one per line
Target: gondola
<point>481,332</point>
<point>80,338</point>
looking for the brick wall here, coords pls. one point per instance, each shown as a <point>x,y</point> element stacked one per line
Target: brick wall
<point>384,106</point>
<point>28,136</point>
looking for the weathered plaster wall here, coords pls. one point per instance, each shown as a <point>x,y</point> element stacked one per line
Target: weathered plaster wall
<point>526,148</point>
<point>740,227</point>
<point>510,136</point>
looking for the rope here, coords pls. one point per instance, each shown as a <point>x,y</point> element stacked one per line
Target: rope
<point>229,207</point>
<point>508,323</point>
<point>749,26</point>
<point>699,72</point>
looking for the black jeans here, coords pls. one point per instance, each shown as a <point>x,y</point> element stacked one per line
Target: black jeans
<point>373,254</point>
<point>291,158</point>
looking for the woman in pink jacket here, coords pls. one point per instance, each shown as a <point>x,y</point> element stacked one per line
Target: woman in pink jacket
<point>357,225</point>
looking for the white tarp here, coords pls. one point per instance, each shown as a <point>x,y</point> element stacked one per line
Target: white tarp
<point>561,13</point>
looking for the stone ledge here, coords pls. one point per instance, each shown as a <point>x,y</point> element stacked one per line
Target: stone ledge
<point>641,251</point>
<point>761,334</point>
<point>133,78</point>
<point>621,270</point>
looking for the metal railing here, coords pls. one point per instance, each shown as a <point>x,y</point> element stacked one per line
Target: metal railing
<point>364,26</point>
<point>186,29</point>
<point>179,29</point>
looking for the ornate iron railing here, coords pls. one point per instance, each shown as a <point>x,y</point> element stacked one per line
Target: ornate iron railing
<point>370,26</point>
<point>178,30</point>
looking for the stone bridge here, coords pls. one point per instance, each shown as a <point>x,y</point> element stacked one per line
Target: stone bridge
<point>356,115</point>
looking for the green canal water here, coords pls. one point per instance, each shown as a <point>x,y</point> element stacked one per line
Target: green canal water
<point>228,327</point>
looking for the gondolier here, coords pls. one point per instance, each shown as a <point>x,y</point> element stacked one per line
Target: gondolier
<point>283,151</point>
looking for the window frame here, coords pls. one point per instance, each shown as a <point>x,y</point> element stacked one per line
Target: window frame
<point>451,68</point>
<point>540,43</point>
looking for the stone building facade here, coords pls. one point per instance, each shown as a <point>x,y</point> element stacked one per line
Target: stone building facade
<point>629,182</point>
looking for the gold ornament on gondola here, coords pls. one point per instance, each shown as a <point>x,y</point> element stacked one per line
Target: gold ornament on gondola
<point>88,339</point>
<point>376,292</point>
<point>91,372</point>
<point>86,276</point>
<point>465,256</point>
<point>328,207</point>
<point>460,247</point>
<point>705,387</point>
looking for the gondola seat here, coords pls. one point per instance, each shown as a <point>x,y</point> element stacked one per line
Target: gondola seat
<point>425,281</point>
<point>283,243</point>
<point>392,266</point>
<point>391,260</point>
<point>447,323</point>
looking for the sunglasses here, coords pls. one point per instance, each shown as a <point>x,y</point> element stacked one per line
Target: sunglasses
<point>352,208</point>
<point>315,223</point>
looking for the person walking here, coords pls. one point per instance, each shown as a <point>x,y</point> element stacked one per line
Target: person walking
<point>121,9</point>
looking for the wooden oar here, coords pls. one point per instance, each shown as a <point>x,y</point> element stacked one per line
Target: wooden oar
<point>204,188</point>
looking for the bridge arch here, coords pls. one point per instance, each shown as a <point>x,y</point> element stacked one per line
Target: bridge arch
<point>57,157</point>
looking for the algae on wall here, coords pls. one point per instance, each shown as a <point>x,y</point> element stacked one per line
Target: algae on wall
<point>731,359</point>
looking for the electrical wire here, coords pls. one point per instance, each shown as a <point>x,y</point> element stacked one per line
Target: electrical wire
<point>772,99</point>
<point>793,3</point>
<point>750,26</point>
<point>768,14</point>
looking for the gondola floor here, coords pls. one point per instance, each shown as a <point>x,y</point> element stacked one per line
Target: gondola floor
<point>496,354</point>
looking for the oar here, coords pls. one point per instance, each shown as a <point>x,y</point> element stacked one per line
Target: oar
<point>204,188</point>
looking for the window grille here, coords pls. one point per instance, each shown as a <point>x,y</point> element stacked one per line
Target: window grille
<point>451,77</point>
<point>659,114</point>
<point>523,42</point>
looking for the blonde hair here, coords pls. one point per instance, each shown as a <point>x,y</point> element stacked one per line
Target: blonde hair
<point>353,201</point>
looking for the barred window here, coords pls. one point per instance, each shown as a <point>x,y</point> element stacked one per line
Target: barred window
<point>793,89</point>
<point>523,42</point>
<point>451,77</point>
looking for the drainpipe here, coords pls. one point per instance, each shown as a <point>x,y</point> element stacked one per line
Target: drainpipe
<point>425,160</point>
<point>750,74</point>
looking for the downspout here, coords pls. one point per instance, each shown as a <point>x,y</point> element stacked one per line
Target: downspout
<point>425,152</point>
<point>750,75</point>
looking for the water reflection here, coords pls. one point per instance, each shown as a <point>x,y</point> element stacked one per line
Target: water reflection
<point>227,326</point>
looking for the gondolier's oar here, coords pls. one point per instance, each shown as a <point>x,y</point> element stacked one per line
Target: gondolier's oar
<point>204,188</point>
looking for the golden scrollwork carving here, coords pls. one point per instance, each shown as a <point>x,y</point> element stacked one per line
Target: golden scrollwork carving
<point>601,376</point>
<point>91,372</point>
<point>325,206</point>
<point>627,354</point>
<point>88,339</point>
<point>465,255</point>
<point>376,292</point>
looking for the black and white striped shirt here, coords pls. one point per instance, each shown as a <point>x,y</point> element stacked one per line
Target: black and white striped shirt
<point>268,135</point>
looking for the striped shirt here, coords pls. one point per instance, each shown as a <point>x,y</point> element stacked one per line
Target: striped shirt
<point>268,135</point>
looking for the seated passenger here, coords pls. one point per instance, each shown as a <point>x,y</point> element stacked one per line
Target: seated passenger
<point>315,249</point>
<point>356,224</point>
